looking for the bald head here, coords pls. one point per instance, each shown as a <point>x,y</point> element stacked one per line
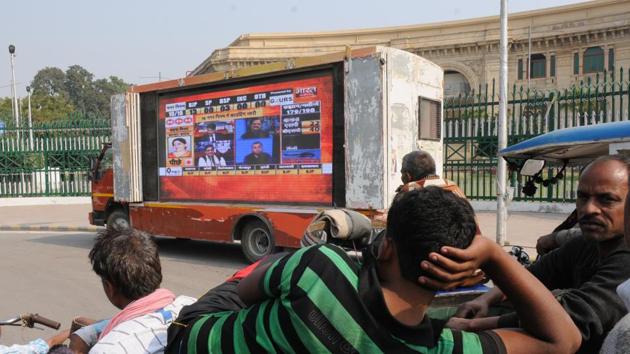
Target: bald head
<point>417,165</point>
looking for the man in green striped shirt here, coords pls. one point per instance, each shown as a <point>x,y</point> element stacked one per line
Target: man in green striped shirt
<point>318,300</point>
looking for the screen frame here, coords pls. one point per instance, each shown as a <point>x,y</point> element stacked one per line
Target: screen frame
<point>335,70</point>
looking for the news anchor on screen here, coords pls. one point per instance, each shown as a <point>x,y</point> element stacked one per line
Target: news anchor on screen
<point>257,156</point>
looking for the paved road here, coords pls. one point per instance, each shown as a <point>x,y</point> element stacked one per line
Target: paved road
<point>49,273</point>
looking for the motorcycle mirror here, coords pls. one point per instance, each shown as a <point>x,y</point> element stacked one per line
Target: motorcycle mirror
<point>531,167</point>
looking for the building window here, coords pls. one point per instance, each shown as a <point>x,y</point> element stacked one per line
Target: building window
<point>537,66</point>
<point>429,119</point>
<point>611,59</point>
<point>552,66</point>
<point>576,63</point>
<point>593,60</point>
<point>455,84</point>
<point>520,69</point>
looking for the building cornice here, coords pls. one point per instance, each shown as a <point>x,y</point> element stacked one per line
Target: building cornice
<point>581,23</point>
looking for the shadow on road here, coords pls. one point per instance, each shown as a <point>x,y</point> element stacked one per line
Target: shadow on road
<point>187,251</point>
<point>202,252</point>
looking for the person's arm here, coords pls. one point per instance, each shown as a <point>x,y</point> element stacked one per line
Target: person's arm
<point>251,288</point>
<point>37,346</point>
<point>86,337</point>
<point>548,243</point>
<point>548,328</point>
<point>595,306</point>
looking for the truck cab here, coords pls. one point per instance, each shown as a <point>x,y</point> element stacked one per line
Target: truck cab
<point>106,211</point>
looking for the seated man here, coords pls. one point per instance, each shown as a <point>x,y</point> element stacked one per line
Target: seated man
<point>129,267</point>
<point>418,171</point>
<point>319,300</point>
<point>584,272</point>
<point>618,339</point>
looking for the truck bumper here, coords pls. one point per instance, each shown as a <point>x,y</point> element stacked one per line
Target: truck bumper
<point>97,218</point>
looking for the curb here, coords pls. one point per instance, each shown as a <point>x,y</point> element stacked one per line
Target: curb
<point>22,227</point>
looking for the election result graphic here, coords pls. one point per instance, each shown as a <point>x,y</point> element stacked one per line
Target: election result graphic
<point>265,143</point>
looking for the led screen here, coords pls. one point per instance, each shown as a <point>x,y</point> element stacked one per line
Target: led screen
<point>265,143</point>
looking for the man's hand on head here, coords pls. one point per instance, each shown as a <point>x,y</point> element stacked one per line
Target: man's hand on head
<point>454,267</point>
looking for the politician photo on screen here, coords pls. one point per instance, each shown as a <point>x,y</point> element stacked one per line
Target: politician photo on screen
<point>257,151</point>
<point>257,156</point>
<point>255,129</point>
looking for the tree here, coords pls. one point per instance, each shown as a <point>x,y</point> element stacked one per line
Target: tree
<point>50,108</point>
<point>57,94</point>
<point>6,110</point>
<point>105,89</point>
<point>80,87</point>
<point>50,81</point>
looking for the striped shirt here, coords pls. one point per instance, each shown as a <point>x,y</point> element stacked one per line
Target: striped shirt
<point>144,334</point>
<point>320,301</point>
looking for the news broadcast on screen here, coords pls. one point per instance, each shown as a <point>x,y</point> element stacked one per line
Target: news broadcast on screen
<point>266,143</point>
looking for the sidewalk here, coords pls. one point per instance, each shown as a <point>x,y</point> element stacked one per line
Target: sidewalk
<point>71,217</point>
<point>523,228</point>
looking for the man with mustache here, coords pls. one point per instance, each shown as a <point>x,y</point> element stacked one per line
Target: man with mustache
<point>583,273</point>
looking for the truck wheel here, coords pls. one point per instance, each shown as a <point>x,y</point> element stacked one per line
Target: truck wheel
<point>118,221</point>
<point>256,241</point>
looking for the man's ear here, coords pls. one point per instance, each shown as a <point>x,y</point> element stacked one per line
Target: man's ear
<point>406,177</point>
<point>109,288</point>
<point>386,249</point>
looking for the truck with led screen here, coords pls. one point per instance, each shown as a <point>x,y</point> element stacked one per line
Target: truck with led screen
<point>252,155</point>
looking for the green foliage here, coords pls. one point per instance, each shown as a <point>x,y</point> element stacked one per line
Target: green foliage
<point>58,94</point>
<point>49,81</point>
<point>50,108</point>
<point>6,112</point>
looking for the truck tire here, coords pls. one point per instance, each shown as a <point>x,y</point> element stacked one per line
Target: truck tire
<point>257,241</point>
<point>118,221</point>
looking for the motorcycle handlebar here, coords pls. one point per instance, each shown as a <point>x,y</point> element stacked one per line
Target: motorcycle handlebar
<point>36,318</point>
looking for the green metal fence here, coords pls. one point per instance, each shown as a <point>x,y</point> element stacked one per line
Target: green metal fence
<point>470,130</point>
<point>49,159</point>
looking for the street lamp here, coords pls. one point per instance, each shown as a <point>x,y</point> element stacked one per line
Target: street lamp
<point>16,109</point>
<point>30,120</point>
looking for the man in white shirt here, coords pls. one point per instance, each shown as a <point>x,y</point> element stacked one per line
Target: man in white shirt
<point>128,264</point>
<point>210,159</point>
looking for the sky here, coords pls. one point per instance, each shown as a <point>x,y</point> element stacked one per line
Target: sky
<point>140,40</point>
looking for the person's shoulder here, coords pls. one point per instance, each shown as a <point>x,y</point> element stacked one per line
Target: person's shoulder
<point>144,334</point>
<point>178,303</point>
<point>323,252</point>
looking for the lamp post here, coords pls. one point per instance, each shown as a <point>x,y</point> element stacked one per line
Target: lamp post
<point>30,119</point>
<point>16,109</point>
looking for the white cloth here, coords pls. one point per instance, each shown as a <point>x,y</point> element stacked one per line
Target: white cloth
<point>38,346</point>
<point>618,339</point>
<point>204,161</point>
<point>144,334</point>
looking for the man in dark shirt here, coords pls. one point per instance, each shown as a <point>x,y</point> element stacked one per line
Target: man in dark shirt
<point>255,130</point>
<point>257,156</point>
<point>319,300</point>
<point>583,273</point>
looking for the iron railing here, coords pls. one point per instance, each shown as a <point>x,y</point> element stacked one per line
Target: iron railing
<point>49,159</point>
<point>470,128</point>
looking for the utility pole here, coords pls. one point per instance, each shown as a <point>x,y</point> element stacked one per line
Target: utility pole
<point>502,194</point>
